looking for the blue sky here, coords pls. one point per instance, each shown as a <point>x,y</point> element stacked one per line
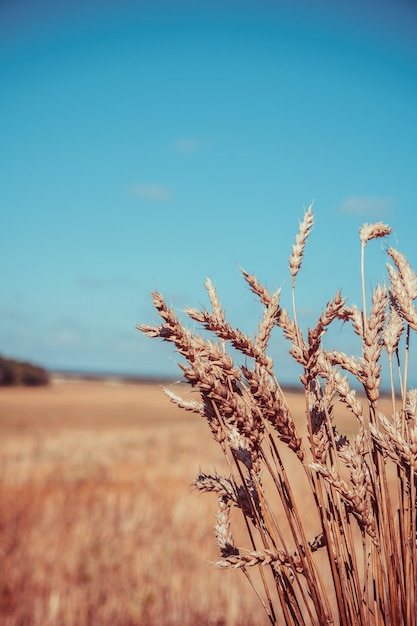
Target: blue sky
<point>147,145</point>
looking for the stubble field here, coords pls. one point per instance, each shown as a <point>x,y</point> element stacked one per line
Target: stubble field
<point>99,522</point>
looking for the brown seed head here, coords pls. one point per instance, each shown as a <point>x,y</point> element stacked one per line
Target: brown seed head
<point>372,231</point>
<point>300,242</point>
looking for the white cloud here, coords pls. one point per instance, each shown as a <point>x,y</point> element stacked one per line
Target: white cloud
<point>14,314</point>
<point>366,206</point>
<point>152,192</point>
<point>91,281</point>
<point>65,337</point>
<point>186,145</point>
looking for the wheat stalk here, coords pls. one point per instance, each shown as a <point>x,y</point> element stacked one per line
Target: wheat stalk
<point>350,558</point>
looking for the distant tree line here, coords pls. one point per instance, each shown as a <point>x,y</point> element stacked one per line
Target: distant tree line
<point>14,372</point>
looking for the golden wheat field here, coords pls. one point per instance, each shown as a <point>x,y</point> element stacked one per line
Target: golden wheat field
<point>99,522</point>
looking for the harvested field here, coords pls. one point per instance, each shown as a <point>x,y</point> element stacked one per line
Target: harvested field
<point>99,523</point>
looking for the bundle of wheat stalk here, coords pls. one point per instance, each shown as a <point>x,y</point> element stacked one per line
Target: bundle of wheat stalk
<point>360,566</point>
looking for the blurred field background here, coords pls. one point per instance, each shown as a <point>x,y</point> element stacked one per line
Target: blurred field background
<point>99,523</point>
<point>130,132</point>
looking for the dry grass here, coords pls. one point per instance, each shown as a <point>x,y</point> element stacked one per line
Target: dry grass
<point>326,524</point>
<point>316,492</point>
<point>99,523</point>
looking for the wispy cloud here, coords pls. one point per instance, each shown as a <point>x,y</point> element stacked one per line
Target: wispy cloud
<point>186,145</point>
<point>372,206</point>
<point>152,192</point>
<point>14,314</point>
<point>92,281</point>
<point>65,337</point>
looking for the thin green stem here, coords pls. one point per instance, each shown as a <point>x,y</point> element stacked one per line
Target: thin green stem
<point>294,311</point>
<point>406,360</point>
<point>363,287</point>
<point>391,377</point>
